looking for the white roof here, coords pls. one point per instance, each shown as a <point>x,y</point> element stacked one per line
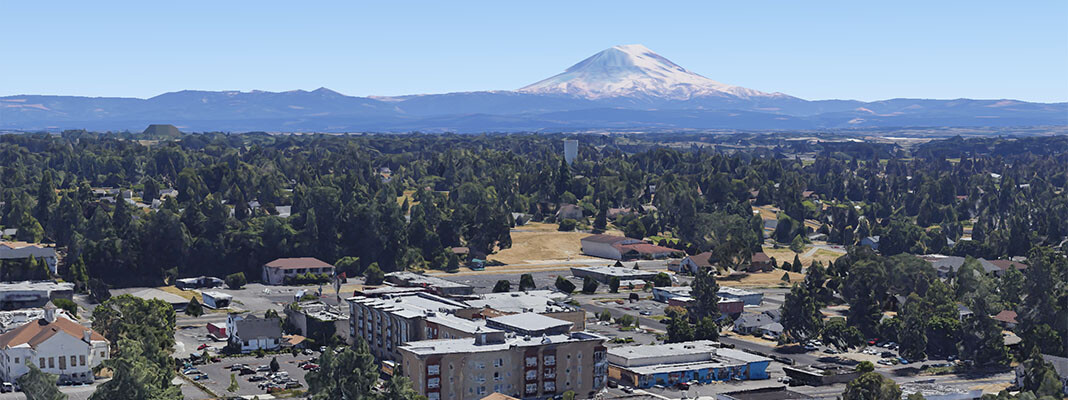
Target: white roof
<point>530,322</point>
<point>467,345</point>
<point>538,301</point>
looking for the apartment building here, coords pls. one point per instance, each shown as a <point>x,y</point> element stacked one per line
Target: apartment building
<point>390,321</point>
<point>521,366</point>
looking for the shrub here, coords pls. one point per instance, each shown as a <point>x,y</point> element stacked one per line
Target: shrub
<point>564,285</point>
<point>66,305</point>
<point>589,286</point>
<point>567,225</point>
<point>374,275</point>
<point>236,280</point>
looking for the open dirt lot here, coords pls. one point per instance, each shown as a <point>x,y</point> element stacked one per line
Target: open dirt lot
<point>536,241</point>
<point>763,280</point>
<point>807,257</point>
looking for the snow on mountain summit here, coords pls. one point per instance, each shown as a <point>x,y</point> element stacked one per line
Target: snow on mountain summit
<point>635,71</point>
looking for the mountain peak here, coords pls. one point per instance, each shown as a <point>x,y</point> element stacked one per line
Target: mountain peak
<point>634,70</point>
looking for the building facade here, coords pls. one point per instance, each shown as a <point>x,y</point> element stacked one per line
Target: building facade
<point>54,344</point>
<point>249,333</point>
<point>276,272</point>
<point>668,364</point>
<point>520,366</point>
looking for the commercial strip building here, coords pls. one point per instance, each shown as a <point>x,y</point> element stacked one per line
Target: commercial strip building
<point>54,344</point>
<point>605,273</point>
<point>747,297</point>
<point>24,250</point>
<point>624,248</point>
<point>28,294</point>
<point>278,271</point>
<point>437,285</point>
<point>681,296</point>
<point>521,366</point>
<point>667,364</point>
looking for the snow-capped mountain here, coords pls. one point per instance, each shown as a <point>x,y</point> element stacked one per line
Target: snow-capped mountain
<point>635,71</point>
<point>624,87</point>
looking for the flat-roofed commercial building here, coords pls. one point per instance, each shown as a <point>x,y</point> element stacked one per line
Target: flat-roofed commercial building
<point>604,273</point>
<point>16,295</point>
<point>667,364</point>
<point>517,365</point>
<point>434,284</point>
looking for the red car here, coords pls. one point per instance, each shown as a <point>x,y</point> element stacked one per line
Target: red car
<point>309,366</point>
<point>203,346</point>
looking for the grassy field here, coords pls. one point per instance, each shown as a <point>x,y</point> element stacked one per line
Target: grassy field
<point>540,241</point>
<point>763,280</point>
<point>785,254</point>
<point>187,294</point>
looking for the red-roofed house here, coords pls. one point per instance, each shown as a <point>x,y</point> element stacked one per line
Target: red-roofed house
<point>276,272</point>
<point>54,344</point>
<point>1004,265</point>
<point>760,262</point>
<point>1007,318</point>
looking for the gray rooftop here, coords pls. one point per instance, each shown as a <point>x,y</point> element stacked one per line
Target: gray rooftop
<point>35,286</point>
<point>615,271</point>
<point>529,322</point>
<point>467,345</point>
<point>421,280</point>
<point>539,301</point>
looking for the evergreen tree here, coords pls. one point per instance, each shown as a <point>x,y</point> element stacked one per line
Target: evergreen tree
<point>526,282</point>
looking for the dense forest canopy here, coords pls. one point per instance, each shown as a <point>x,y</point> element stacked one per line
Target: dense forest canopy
<point>399,201</point>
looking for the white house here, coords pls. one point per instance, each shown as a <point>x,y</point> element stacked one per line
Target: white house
<point>250,333</point>
<point>276,272</point>
<point>54,344</point>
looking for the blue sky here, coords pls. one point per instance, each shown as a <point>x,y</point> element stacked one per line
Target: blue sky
<point>810,49</point>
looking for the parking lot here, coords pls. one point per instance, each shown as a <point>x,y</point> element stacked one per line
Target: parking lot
<point>219,373</point>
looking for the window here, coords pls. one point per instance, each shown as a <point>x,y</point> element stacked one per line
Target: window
<point>433,369</point>
<point>498,362</point>
<point>532,375</point>
<point>16,360</point>
<point>481,390</point>
<point>480,365</point>
<point>433,396</point>
<point>433,383</point>
<point>496,376</point>
<point>62,362</point>
<point>532,361</point>
<point>550,360</point>
<point>73,361</point>
<point>102,354</point>
<point>51,362</point>
<point>550,386</point>
<point>550,373</point>
<point>42,362</point>
<point>532,388</point>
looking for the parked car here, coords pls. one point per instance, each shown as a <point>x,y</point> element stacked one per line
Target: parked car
<point>190,371</point>
<point>246,371</point>
<point>309,366</point>
<point>293,385</point>
<point>886,354</point>
<point>201,377</point>
<point>237,367</point>
<point>683,386</point>
<point>810,347</point>
<point>257,378</point>
<point>7,387</point>
<point>202,346</point>
<point>831,351</point>
<point>263,368</point>
<point>902,360</point>
<point>628,390</point>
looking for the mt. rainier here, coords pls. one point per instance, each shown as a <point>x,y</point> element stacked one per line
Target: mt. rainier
<point>622,88</point>
<point>635,71</point>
